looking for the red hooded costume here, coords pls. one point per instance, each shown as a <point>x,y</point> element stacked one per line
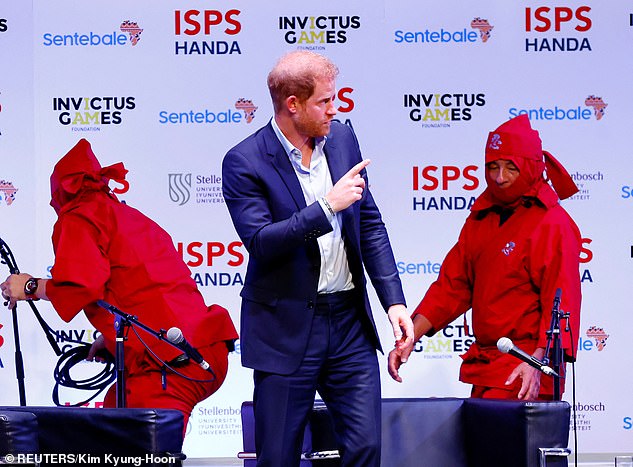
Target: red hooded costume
<point>107,250</point>
<point>508,271</point>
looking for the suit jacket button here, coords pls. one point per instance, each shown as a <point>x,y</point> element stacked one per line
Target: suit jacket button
<point>310,304</point>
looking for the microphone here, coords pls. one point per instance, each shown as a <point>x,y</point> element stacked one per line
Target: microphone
<point>174,335</point>
<point>506,345</point>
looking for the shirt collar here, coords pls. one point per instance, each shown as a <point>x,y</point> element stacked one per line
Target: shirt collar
<point>293,153</point>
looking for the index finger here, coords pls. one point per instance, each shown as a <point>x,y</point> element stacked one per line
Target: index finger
<point>357,168</point>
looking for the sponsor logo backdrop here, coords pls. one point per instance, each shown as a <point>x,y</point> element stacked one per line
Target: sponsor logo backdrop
<point>168,87</point>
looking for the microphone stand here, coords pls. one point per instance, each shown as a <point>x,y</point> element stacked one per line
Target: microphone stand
<point>122,322</point>
<point>554,342</point>
<point>9,260</point>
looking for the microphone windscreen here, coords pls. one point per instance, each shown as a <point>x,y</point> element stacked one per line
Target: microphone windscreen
<point>504,345</point>
<point>174,335</point>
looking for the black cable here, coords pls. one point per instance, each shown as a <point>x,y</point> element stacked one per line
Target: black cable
<point>170,366</point>
<point>97,383</point>
<point>573,393</point>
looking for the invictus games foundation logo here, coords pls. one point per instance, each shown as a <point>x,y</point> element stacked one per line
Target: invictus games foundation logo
<point>598,105</point>
<point>129,32</point>
<point>206,189</point>
<point>316,32</point>
<point>7,192</point>
<point>451,341</point>
<point>199,25</point>
<point>91,113</point>
<point>440,110</point>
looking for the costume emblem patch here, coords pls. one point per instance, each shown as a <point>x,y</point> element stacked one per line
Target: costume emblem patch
<point>508,248</point>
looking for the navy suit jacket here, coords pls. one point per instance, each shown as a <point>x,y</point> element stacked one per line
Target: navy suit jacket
<point>269,212</point>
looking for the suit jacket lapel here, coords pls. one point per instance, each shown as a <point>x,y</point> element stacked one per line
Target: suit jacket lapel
<point>337,167</point>
<point>282,165</point>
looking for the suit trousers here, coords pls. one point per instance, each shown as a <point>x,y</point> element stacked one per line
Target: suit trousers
<point>340,363</point>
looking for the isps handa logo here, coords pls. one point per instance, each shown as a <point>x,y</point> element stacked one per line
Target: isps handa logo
<point>7,192</point>
<point>207,32</point>
<point>128,32</point>
<point>444,187</point>
<point>558,29</point>
<point>214,263</point>
<point>242,110</point>
<point>317,32</point>
<point>480,30</point>
<point>205,189</point>
<point>92,113</point>
<point>441,110</point>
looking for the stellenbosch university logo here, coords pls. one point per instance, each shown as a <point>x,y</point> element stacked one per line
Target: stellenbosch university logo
<point>585,181</point>
<point>316,32</point>
<point>558,29</point>
<point>453,340</point>
<point>242,110</point>
<point>128,32</point>
<point>205,189</point>
<point>440,110</point>
<point>597,108</point>
<point>435,187</point>
<point>218,421</point>
<point>7,192</point>
<point>213,263</point>
<point>91,113</point>
<point>585,414</point>
<point>207,32</point>
<point>480,30</point>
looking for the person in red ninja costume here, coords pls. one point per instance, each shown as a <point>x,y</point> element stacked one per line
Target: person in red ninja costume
<point>516,248</point>
<point>107,250</point>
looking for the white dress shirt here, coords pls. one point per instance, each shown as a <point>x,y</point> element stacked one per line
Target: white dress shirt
<point>316,182</point>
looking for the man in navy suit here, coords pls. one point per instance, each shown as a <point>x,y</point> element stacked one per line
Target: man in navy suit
<point>298,196</point>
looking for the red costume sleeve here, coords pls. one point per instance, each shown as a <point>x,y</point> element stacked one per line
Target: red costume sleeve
<point>451,294</point>
<point>81,267</point>
<point>554,264</point>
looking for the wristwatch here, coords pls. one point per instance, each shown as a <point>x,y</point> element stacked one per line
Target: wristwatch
<point>30,286</point>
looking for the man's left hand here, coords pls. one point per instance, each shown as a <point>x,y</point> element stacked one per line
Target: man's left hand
<point>402,326</point>
<point>13,288</point>
<point>530,381</point>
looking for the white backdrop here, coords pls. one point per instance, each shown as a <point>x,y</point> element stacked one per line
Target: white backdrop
<point>166,87</point>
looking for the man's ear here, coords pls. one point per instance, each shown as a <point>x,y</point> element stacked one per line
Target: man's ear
<point>292,103</point>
